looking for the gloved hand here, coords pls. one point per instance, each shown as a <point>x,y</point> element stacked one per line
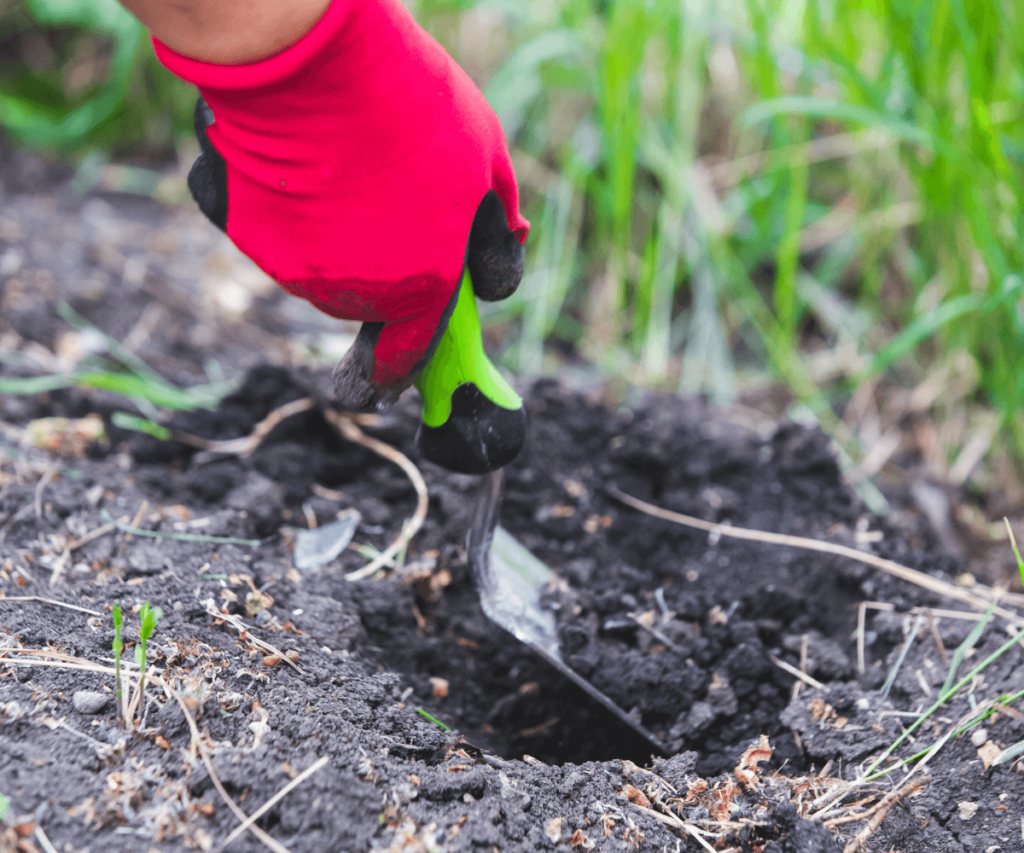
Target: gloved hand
<point>363,171</point>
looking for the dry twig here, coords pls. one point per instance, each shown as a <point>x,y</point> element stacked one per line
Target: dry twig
<point>49,658</point>
<point>881,810</point>
<point>256,815</point>
<point>44,481</point>
<point>274,845</point>
<point>61,564</point>
<point>247,445</point>
<point>42,600</point>
<point>72,662</point>
<point>796,673</point>
<point>242,628</point>
<point>347,427</point>
<point>676,823</point>
<point>44,842</point>
<point>904,573</point>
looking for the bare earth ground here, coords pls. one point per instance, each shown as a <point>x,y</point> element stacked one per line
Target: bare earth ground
<point>681,628</point>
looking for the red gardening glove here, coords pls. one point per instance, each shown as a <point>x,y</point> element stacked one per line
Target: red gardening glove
<point>361,169</point>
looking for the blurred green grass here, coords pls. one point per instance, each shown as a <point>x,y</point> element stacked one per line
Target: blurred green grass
<point>725,196</point>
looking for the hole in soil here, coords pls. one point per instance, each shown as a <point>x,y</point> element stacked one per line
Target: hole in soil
<point>471,675</point>
<point>501,696</point>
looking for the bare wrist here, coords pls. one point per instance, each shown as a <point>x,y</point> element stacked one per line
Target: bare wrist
<point>228,32</point>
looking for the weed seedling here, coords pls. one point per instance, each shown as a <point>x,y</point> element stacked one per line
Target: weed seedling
<point>118,647</point>
<point>434,720</point>
<point>148,617</point>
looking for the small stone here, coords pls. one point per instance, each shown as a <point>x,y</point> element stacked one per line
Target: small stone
<point>979,737</point>
<point>967,810</point>
<point>89,702</point>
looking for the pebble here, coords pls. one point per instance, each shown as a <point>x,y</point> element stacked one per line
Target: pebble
<point>89,702</point>
<point>980,737</point>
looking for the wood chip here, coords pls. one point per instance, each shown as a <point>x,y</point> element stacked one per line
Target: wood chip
<point>988,753</point>
<point>554,829</point>
<point>635,796</point>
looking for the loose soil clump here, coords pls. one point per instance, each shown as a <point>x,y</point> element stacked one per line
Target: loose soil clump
<point>684,630</point>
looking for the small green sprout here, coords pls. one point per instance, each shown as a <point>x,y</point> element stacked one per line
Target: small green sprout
<point>4,806</point>
<point>435,721</point>
<point>118,647</point>
<point>148,617</point>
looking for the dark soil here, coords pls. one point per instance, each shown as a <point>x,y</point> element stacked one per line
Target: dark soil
<point>678,628</point>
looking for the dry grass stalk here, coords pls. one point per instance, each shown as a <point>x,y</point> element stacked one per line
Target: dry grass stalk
<point>241,627</point>
<point>676,823</point>
<point>247,445</point>
<point>904,573</point>
<point>798,674</point>
<point>71,662</point>
<point>862,610</point>
<point>884,802</point>
<point>197,741</point>
<point>269,804</point>
<point>882,809</point>
<point>695,834</point>
<point>82,665</point>
<point>804,639</point>
<point>61,564</point>
<point>43,840</point>
<point>348,429</point>
<point>42,600</point>
<point>44,481</point>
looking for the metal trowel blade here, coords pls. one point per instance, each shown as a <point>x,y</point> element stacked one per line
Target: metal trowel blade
<point>510,582</point>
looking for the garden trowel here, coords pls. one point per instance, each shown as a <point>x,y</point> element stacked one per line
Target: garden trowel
<point>510,582</point>
<point>474,423</point>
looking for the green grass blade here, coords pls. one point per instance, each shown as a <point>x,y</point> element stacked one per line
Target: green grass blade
<point>890,680</point>
<point>968,643</point>
<point>944,697</point>
<point>921,329</point>
<point>189,537</point>
<point>27,386</point>
<point>825,108</point>
<point>118,350</point>
<point>518,83</point>
<point>35,123</point>
<point>434,720</point>
<point>1010,753</point>
<point>132,422</point>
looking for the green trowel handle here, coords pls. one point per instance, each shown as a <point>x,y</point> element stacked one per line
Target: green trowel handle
<point>460,360</point>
